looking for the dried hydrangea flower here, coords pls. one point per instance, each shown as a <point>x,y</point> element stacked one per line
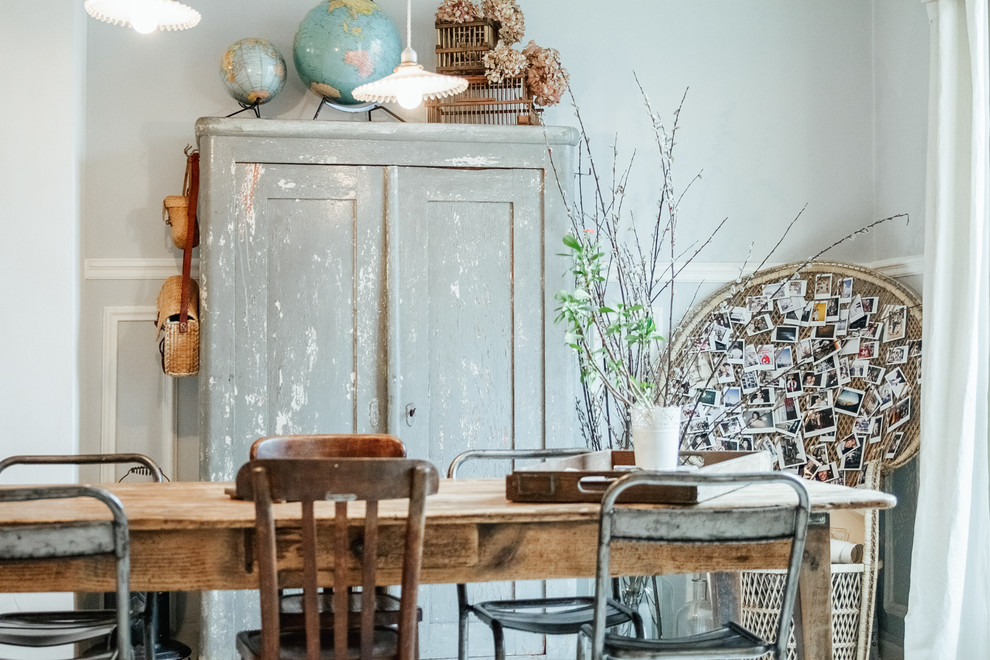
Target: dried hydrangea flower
<point>457,11</point>
<point>546,79</point>
<point>512,24</point>
<point>503,62</point>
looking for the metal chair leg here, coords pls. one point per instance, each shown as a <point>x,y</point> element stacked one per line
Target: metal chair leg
<point>462,622</point>
<point>499,638</point>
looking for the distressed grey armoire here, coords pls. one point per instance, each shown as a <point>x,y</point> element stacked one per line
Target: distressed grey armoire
<point>379,277</point>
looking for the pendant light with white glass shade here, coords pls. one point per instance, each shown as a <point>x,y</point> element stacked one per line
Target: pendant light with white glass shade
<point>410,83</point>
<point>145,16</point>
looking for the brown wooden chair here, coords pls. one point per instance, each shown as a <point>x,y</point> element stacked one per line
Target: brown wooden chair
<point>336,445</point>
<point>340,480</point>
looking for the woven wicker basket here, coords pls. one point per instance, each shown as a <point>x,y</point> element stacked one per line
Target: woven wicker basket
<point>505,103</point>
<point>175,210</point>
<point>179,350</point>
<point>461,46</point>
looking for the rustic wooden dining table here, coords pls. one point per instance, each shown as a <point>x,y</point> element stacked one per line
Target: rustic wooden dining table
<point>192,536</point>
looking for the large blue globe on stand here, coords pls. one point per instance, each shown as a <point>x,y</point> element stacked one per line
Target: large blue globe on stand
<point>343,44</point>
<point>253,71</point>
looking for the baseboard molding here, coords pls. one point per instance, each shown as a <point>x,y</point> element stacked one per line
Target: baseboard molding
<point>718,272</point>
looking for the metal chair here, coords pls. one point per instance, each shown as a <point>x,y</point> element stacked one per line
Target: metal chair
<point>340,480</point>
<point>64,541</point>
<point>698,525</point>
<point>37,626</point>
<point>545,616</point>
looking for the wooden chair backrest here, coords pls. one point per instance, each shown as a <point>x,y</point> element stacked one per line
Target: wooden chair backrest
<point>337,445</point>
<point>340,480</point>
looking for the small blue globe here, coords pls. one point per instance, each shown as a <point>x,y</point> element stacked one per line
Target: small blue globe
<point>343,44</point>
<point>253,71</point>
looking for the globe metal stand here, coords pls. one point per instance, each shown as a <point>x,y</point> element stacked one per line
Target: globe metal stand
<point>256,106</point>
<point>364,107</point>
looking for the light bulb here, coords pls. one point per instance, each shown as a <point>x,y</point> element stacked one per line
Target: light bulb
<point>408,96</point>
<point>144,17</point>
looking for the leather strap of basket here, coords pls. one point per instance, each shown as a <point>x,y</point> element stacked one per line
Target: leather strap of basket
<point>193,161</point>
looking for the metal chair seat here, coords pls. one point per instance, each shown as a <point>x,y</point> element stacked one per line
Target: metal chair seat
<point>55,628</point>
<point>729,641</point>
<point>551,616</point>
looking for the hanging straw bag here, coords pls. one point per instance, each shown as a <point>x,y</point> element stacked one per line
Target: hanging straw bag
<point>178,300</point>
<point>175,209</point>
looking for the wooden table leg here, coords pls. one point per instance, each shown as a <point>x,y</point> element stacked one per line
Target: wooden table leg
<point>813,609</point>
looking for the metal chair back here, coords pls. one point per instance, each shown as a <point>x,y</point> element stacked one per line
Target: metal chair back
<point>700,524</point>
<point>70,540</point>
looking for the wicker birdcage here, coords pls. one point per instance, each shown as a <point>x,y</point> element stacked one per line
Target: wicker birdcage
<point>505,103</point>
<point>461,46</point>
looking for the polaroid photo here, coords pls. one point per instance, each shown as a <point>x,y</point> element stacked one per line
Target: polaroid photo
<point>804,351</point>
<point>872,330</point>
<point>794,317</point>
<point>831,310</point>
<point>745,443</point>
<point>786,409</point>
<point>824,332</point>
<point>850,346</point>
<point>797,288</point>
<point>786,334</point>
<point>790,453</point>
<point>734,351</point>
<point>724,373</point>
<point>775,290</point>
<point>758,304</point>
<point>896,323</point>
<point>739,316</point>
<point>808,469</point>
<point>792,384</point>
<point>894,446</point>
<point>848,401</point>
<point>818,314</point>
<point>915,349</point>
<point>846,288</point>
<point>731,426</point>
<point>762,398</point>
<point>823,285</point>
<point>764,353</point>
<point>897,354</point>
<point>827,364</point>
<point>818,422</point>
<point>721,317</point>
<point>823,348</point>
<point>759,324</point>
<point>875,433</point>
<point>818,400</point>
<point>730,444</point>
<point>899,414</point>
<point>718,338</point>
<point>870,305</point>
<point>810,380</point>
<point>897,382</point>
<point>843,370</point>
<point>827,473</point>
<point>855,327</point>
<point>856,311</point>
<point>874,374</point>
<point>868,350</point>
<point>700,442</point>
<point>871,402</point>
<point>852,460</point>
<point>831,380</point>
<point>787,305</point>
<point>709,398</point>
<point>731,397</point>
<point>749,382</point>
<point>783,358</point>
<point>791,428</point>
<point>751,359</point>
<point>759,421</point>
<point>858,368</point>
<point>886,397</point>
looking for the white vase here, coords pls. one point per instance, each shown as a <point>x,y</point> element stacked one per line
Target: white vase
<point>656,432</point>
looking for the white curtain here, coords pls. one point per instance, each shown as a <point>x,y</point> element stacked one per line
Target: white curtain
<point>950,570</point>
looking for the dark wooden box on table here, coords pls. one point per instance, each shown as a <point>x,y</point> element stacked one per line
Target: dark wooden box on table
<point>585,477</point>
